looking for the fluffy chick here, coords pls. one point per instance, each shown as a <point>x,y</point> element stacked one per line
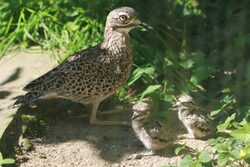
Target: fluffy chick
<point>197,125</point>
<point>151,133</point>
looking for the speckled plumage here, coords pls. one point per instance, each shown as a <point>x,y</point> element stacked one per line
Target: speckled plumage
<point>93,74</point>
<point>197,125</point>
<point>152,133</point>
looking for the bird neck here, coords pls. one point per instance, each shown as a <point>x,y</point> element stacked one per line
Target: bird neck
<point>115,41</point>
<point>183,112</point>
<point>138,125</point>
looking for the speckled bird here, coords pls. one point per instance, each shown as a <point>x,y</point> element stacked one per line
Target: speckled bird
<point>91,75</point>
<point>189,113</point>
<point>151,132</point>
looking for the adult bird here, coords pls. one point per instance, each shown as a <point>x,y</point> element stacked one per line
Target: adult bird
<point>91,75</point>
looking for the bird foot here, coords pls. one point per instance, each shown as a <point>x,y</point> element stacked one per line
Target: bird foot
<point>109,123</point>
<point>185,136</point>
<point>140,155</point>
<point>135,156</point>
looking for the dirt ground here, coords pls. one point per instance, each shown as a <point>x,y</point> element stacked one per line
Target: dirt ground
<point>69,141</point>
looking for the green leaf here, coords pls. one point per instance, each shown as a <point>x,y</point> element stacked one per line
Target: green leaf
<point>139,72</point>
<point>196,164</point>
<point>72,26</point>
<point>242,133</point>
<point>178,149</point>
<point>226,101</point>
<point>229,119</point>
<point>187,64</point>
<point>211,141</point>
<point>186,161</point>
<point>215,112</point>
<point>235,154</point>
<point>1,156</point>
<point>226,124</point>
<point>226,90</point>
<point>150,90</point>
<point>8,161</point>
<point>222,128</point>
<point>247,150</point>
<point>204,157</point>
<point>222,159</point>
<point>221,147</point>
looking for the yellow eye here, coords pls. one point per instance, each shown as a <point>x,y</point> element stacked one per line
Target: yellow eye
<point>123,18</point>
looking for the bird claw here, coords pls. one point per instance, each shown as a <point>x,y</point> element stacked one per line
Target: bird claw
<point>135,156</point>
<point>140,155</point>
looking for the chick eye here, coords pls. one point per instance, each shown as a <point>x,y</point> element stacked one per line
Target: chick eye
<point>123,18</point>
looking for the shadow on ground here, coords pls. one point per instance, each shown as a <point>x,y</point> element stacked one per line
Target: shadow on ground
<point>4,94</point>
<point>66,130</point>
<point>12,77</point>
<point>65,122</point>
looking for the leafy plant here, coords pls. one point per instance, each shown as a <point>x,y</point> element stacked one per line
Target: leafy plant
<point>194,158</point>
<point>56,25</point>
<point>222,151</point>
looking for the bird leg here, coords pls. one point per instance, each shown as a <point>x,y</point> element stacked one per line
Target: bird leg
<point>94,121</point>
<point>103,113</point>
<point>114,111</point>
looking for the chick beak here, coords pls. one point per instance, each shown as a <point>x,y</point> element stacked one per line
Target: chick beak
<point>146,26</point>
<point>176,106</point>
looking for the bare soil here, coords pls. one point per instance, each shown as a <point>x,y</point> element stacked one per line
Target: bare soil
<point>68,140</point>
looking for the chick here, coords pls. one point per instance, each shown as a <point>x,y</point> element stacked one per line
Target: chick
<point>197,125</point>
<point>151,133</point>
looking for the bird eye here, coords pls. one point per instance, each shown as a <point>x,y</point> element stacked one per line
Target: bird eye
<point>123,18</point>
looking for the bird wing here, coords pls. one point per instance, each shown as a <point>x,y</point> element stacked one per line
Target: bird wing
<point>36,85</point>
<point>157,130</point>
<point>44,82</point>
<point>57,77</point>
<point>199,121</point>
<point>202,122</point>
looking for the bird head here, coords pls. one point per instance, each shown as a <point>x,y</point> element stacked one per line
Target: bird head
<point>184,102</point>
<point>124,19</point>
<point>141,111</point>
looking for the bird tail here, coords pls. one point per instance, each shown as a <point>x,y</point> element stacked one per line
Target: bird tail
<point>26,99</point>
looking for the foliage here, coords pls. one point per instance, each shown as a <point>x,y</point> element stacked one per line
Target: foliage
<point>5,161</point>
<point>50,24</point>
<point>231,151</point>
<point>225,152</point>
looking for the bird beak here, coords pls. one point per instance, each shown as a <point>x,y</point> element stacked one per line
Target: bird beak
<point>175,106</point>
<point>146,26</point>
